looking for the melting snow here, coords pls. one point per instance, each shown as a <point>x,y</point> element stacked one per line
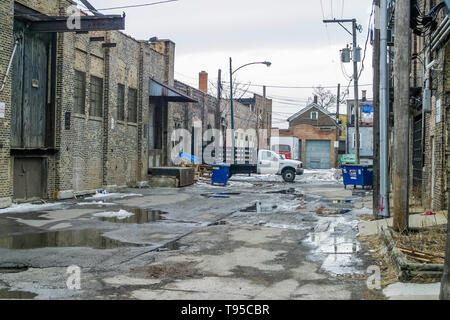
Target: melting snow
<point>113,195</point>
<point>122,214</point>
<point>29,207</point>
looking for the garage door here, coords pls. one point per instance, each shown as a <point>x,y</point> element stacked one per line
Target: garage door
<point>318,154</point>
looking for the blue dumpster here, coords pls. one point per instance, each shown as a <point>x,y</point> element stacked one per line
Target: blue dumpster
<point>220,174</point>
<point>357,175</point>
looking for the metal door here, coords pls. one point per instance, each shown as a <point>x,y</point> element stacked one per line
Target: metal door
<point>318,154</point>
<point>30,88</point>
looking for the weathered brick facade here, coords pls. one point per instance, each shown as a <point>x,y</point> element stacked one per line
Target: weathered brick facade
<point>6,49</point>
<point>94,149</point>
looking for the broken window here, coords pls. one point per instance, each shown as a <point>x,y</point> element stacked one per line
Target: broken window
<point>121,102</point>
<point>96,108</point>
<point>80,92</point>
<point>132,105</point>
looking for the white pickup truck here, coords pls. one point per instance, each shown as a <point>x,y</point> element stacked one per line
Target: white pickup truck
<point>270,163</point>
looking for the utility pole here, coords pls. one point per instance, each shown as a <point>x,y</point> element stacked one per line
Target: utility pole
<point>338,131</point>
<point>219,99</point>
<point>384,112</point>
<point>402,66</point>
<point>232,113</point>
<point>355,76</point>
<point>376,119</point>
<point>355,82</point>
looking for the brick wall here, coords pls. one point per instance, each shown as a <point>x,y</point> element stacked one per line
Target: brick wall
<point>6,48</point>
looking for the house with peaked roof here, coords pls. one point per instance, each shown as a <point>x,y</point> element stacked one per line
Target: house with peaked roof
<point>318,133</point>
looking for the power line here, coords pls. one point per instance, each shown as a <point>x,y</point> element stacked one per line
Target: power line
<point>295,87</point>
<point>137,5</point>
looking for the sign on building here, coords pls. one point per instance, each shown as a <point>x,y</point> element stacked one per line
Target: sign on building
<point>438,111</point>
<point>2,110</point>
<point>367,114</point>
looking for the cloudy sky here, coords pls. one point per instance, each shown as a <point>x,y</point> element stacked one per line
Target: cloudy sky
<point>289,33</point>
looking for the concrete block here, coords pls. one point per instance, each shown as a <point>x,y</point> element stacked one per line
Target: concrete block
<point>163,182</point>
<point>5,202</point>
<point>65,194</point>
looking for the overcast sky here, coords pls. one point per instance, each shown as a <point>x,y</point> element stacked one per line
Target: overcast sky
<point>289,33</point>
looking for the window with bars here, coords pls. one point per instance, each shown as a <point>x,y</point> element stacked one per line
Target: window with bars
<point>80,92</point>
<point>96,97</point>
<point>132,105</point>
<point>121,102</point>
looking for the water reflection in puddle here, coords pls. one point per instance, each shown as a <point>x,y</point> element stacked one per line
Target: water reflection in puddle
<point>140,216</point>
<point>15,295</point>
<point>261,207</point>
<point>60,239</point>
<point>337,249</point>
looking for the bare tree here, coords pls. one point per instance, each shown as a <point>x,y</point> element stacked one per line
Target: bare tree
<point>325,98</point>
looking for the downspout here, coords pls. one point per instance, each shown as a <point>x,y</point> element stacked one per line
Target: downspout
<point>16,44</point>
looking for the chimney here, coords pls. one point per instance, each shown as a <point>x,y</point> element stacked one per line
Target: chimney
<point>364,95</point>
<point>203,82</point>
<point>316,100</point>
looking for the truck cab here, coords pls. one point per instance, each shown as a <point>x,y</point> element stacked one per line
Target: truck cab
<point>269,162</point>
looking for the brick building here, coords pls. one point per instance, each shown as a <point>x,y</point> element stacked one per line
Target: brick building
<point>86,111</point>
<point>318,132</point>
<point>429,104</point>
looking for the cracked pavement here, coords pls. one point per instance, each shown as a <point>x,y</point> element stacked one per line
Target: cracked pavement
<point>257,238</point>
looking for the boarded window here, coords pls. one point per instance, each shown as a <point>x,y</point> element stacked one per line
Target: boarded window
<point>121,102</point>
<point>132,105</point>
<point>80,92</point>
<point>96,108</point>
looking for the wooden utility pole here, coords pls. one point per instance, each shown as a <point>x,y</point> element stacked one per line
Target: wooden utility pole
<point>376,119</point>
<point>355,76</point>
<point>402,68</point>
<point>338,129</point>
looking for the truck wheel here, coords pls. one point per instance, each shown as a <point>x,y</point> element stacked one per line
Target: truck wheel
<point>288,175</point>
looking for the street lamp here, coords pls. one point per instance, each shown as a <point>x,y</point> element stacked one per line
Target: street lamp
<point>268,64</point>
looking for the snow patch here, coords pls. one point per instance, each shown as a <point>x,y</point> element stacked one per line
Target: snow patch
<point>325,175</point>
<point>122,214</point>
<point>113,195</point>
<point>29,207</point>
<point>99,203</point>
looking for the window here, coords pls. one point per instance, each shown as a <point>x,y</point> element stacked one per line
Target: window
<point>266,155</point>
<point>121,102</point>
<point>96,108</point>
<point>360,141</point>
<point>314,115</point>
<point>132,105</point>
<point>80,92</point>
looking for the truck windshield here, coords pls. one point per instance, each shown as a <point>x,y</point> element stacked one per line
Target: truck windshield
<point>281,148</point>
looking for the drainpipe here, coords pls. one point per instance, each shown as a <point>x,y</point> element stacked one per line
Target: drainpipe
<point>16,44</point>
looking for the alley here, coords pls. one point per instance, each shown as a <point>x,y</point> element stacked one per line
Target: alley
<point>257,238</point>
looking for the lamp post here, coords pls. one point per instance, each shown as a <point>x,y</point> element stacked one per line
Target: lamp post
<point>268,64</point>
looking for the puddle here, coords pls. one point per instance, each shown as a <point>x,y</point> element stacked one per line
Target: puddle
<point>15,295</point>
<point>13,269</point>
<point>61,239</point>
<point>223,195</point>
<point>172,246</point>
<point>335,246</point>
<point>140,216</point>
<point>261,207</point>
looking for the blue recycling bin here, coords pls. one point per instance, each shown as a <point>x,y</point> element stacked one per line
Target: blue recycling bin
<point>357,175</point>
<point>220,174</point>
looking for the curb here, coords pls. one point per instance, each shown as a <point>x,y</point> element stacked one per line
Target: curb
<point>407,270</point>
